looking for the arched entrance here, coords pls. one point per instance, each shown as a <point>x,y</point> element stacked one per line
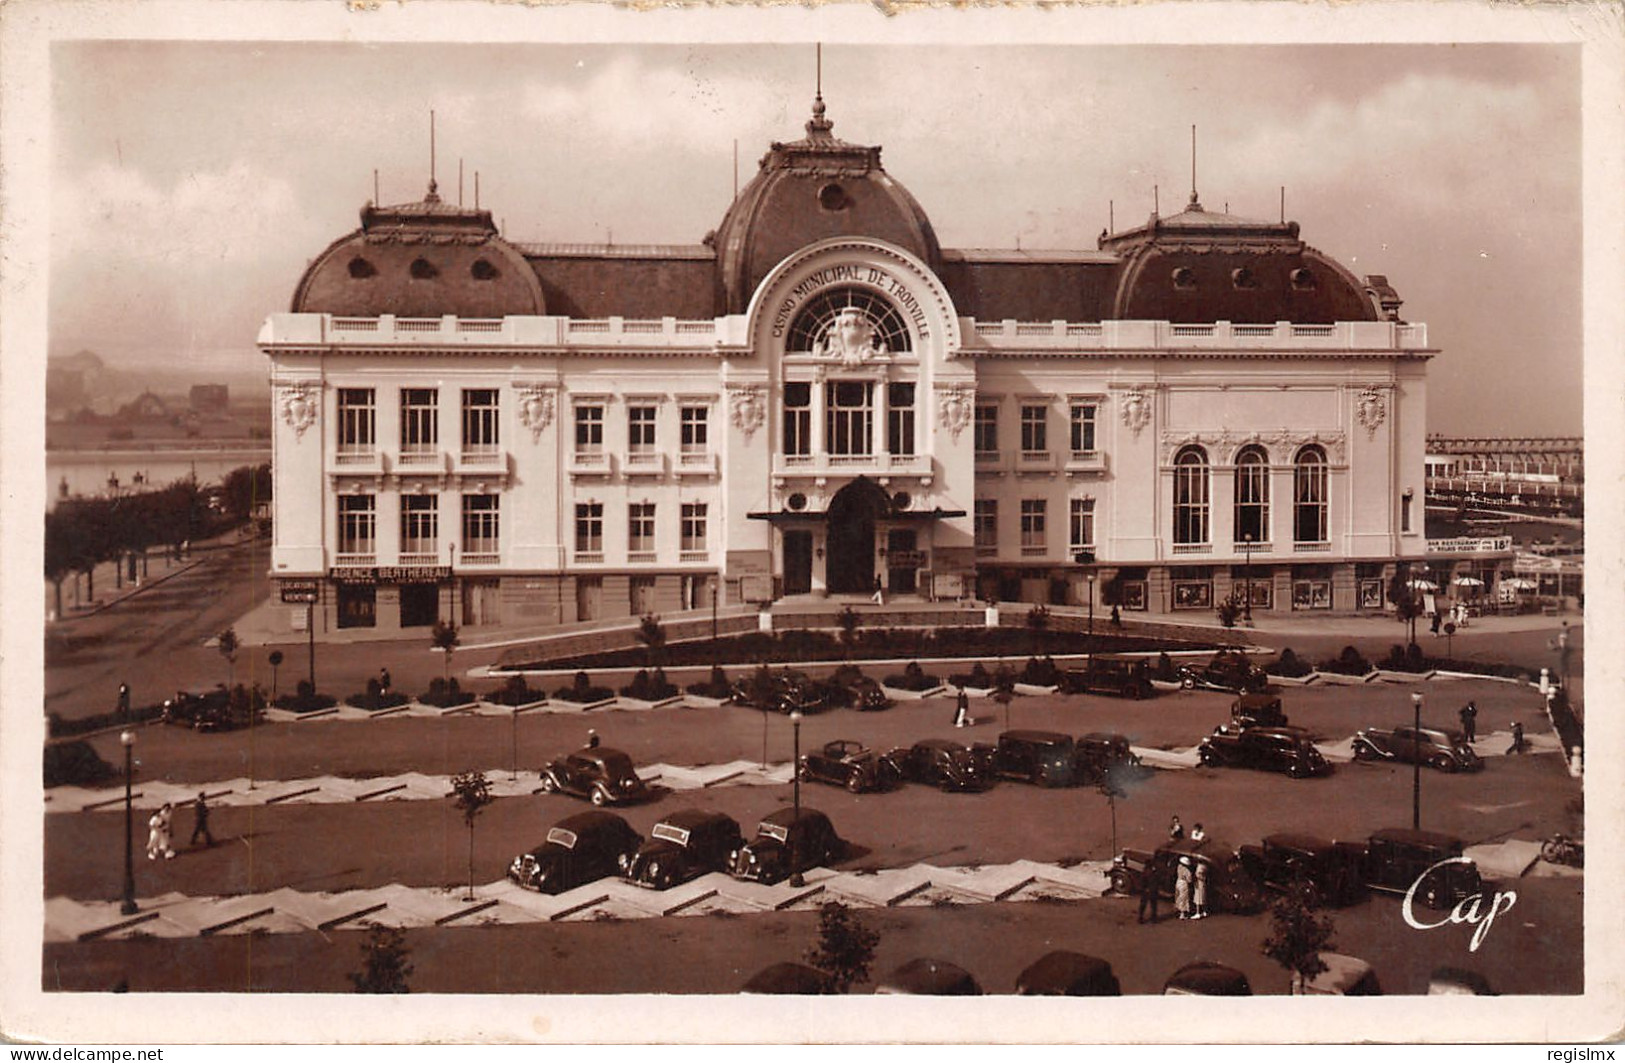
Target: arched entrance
<point>851,537</point>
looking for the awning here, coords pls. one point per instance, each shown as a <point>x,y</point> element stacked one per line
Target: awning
<point>907,516</point>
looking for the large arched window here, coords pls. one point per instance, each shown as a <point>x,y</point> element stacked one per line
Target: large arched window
<point>1252,496</point>
<point>843,321</point>
<point>1309,496</point>
<point>1190,496</point>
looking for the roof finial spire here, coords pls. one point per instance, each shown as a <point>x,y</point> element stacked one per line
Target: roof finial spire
<point>818,127</point>
<point>1194,204</point>
<point>434,194</point>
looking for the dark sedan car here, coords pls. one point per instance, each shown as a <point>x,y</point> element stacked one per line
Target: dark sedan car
<point>853,765</point>
<point>1285,749</point>
<point>809,838</point>
<point>796,978</point>
<point>1204,978</point>
<point>578,850</point>
<point>603,776</point>
<point>784,692</point>
<point>1231,888</point>
<point>1044,758</point>
<point>682,846</point>
<point>1444,750</point>
<point>1108,673</point>
<point>927,977</point>
<point>1068,974</point>
<point>1229,670</point>
<point>944,763</point>
<point>1318,871</point>
<point>1100,754</point>
<point>1397,859</point>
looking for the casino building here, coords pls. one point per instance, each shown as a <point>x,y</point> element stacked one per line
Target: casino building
<point>819,396</point>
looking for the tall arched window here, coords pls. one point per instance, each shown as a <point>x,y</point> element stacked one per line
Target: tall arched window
<point>1190,496</point>
<point>1309,496</point>
<point>1252,496</point>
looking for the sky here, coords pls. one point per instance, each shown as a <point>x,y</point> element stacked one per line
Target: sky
<point>193,181</point>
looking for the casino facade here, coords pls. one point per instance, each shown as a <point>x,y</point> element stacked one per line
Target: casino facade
<point>819,397</point>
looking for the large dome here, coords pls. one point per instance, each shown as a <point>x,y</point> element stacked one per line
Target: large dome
<point>424,259</point>
<point>810,190</point>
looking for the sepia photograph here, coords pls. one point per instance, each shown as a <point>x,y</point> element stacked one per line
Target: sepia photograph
<point>649,514</point>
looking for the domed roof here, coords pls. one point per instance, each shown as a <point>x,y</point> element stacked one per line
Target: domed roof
<point>424,259</point>
<point>1199,267</point>
<point>809,190</point>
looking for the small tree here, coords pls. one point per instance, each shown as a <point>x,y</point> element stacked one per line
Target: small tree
<point>1037,623</point>
<point>845,948</point>
<point>228,649</point>
<point>653,636</point>
<point>1407,603</point>
<point>472,792</point>
<point>384,966</point>
<point>1297,935</point>
<point>444,637</point>
<point>850,621</point>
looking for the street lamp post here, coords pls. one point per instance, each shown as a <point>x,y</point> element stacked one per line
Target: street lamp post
<point>1416,764</point>
<point>310,639</point>
<point>1089,578</point>
<point>127,740</point>
<point>795,824</point>
<point>1247,577</point>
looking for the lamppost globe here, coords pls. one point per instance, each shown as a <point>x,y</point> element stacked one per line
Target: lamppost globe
<point>795,830</point>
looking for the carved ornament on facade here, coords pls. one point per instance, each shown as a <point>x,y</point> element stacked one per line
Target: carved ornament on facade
<point>956,407</point>
<point>300,404</point>
<point>747,407</point>
<point>1136,408</point>
<point>851,337</point>
<point>1282,446</point>
<point>536,407</point>
<point>1371,409</point>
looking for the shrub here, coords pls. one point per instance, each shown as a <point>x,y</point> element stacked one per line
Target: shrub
<point>1041,672</point>
<point>1406,659</point>
<point>76,764</point>
<point>582,692</point>
<point>1288,664</point>
<point>444,693</point>
<point>717,686</point>
<point>516,691</point>
<point>374,698</point>
<point>913,678</point>
<point>646,687</point>
<point>1349,662</point>
<point>977,677</point>
<point>305,699</point>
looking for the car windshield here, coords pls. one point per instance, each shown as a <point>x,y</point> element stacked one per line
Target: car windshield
<point>774,830</point>
<point>667,832</point>
<point>562,837</point>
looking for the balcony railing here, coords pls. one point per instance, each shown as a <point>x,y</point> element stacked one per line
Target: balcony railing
<point>640,557</point>
<point>420,458</point>
<point>1193,548</point>
<point>356,456</point>
<point>1037,459</point>
<point>693,556</point>
<point>644,463</point>
<point>354,560</point>
<point>480,557</point>
<point>430,557</point>
<point>1311,548</point>
<point>590,557</point>
<point>589,463</point>
<point>987,457</point>
<point>696,462</point>
<point>1038,550</point>
<point>483,458</point>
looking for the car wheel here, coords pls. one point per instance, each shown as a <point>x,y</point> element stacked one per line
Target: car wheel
<point>1443,763</point>
<point>1207,758</point>
<point>1433,897</point>
<point>549,784</point>
<point>1187,682</point>
<point>598,796</point>
<point>1120,883</point>
<point>1364,751</point>
<point>854,783</point>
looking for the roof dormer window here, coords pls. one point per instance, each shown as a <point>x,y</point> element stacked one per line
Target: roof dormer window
<point>1243,278</point>
<point>1184,278</point>
<point>482,270</point>
<point>361,269</point>
<point>833,197</point>
<point>423,269</point>
<point>1303,280</point>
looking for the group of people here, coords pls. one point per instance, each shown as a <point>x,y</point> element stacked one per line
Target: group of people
<point>1190,880</point>
<point>161,842</point>
<point>1469,729</point>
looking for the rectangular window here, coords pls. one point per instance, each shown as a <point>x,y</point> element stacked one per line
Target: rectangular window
<point>694,526</point>
<point>640,528</point>
<point>589,429</point>
<point>480,526</point>
<point>640,429</point>
<point>1033,519</point>
<point>1083,427</point>
<point>987,430</point>
<point>480,421</point>
<point>420,421</point>
<point>420,524</point>
<point>589,527</point>
<point>798,418</point>
<point>1405,512</point>
<point>357,524</point>
<point>849,417</point>
<point>1083,523</point>
<point>900,418</point>
<point>987,523</point>
<point>357,421</point>
<point>1034,429</point>
<point>696,428</point>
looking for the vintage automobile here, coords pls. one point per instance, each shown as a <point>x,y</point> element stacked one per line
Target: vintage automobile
<point>1397,858</point>
<point>1458,981</point>
<point>1344,976</point>
<point>810,839</point>
<point>1045,758</point>
<point>202,712</point>
<point>927,977</point>
<point>858,692</point>
<point>946,764</point>
<point>851,764</point>
<point>1110,673</point>
<point>682,846</point>
<point>784,691</point>
<point>1204,978</point>
<point>788,977</point>
<point>1256,710</point>
<point>1320,872</point>
<point>1068,974</point>
<point>1100,754</point>
<point>1444,750</point>
<point>579,849</point>
<point>602,775</point>
<point>1230,887</point>
<point>1229,670</point>
<point>1286,749</point>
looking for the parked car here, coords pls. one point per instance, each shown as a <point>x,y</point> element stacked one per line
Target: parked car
<point>1285,749</point>
<point>851,764</point>
<point>787,977</point>
<point>1345,976</point>
<point>1204,978</point>
<point>1396,858</point>
<point>1068,974</point>
<point>937,978</point>
<point>1256,710</point>
<point>602,775</point>
<point>1110,673</point>
<point>579,849</point>
<point>683,846</point>
<point>1458,981</point>
<point>1319,871</point>
<point>863,694</point>
<point>201,712</point>
<point>1045,758</point>
<point>1100,754</point>
<point>1230,887</point>
<point>944,763</point>
<point>810,839</point>
<point>1444,750</point>
<point>785,692</point>
<point>1229,670</point>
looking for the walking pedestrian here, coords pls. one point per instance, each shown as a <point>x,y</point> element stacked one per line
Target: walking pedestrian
<point>1150,893</point>
<point>158,839</point>
<point>880,593</point>
<point>1197,833</point>
<point>1469,721</point>
<point>592,739</point>
<point>1182,888</point>
<point>1176,830</point>
<point>962,709</point>
<point>1438,621</point>
<point>383,681</point>
<point>1517,745</point>
<point>200,821</point>
<point>1199,893</point>
<point>1117,617</point>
